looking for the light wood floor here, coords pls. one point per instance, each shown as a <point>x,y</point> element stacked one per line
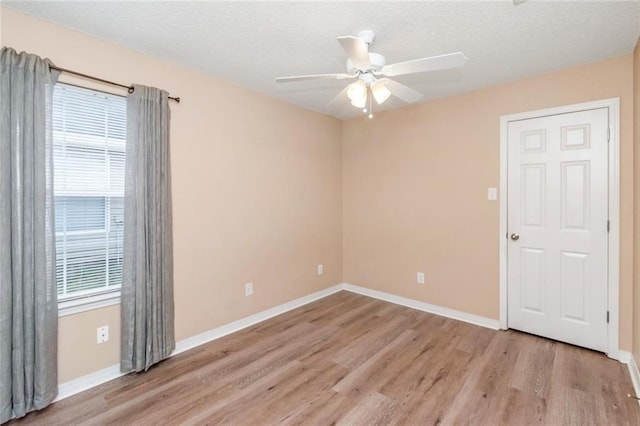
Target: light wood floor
<point>349,359</point>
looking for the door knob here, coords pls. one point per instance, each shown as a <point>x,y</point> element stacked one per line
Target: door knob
<point>515,237</point>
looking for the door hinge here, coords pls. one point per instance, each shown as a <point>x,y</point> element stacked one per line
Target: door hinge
<point>608,226</point>
<point>607,317</point>
<point>608,135</point>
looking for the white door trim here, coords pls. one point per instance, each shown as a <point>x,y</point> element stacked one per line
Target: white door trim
<point>614,209</point>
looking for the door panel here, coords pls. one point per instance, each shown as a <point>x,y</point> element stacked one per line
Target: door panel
<point>575,195</point>
<point>574,285</point>
<point>532,279</point>
<point>533,194</point>
<point>557,204</point>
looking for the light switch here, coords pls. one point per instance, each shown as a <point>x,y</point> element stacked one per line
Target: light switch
<point>492,194</point>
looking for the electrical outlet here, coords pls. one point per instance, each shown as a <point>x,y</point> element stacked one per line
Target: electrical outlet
<point>103,334</point>
<point>420,278</point>
<point>248,289</point>
<point>320,269</point>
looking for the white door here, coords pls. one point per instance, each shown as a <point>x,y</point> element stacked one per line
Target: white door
<point>558,227</point>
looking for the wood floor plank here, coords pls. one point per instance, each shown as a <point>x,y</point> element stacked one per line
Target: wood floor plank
<point>227,410</point>
<point>276,404</point>
<point>534,367</point>
<point>326,408</point>
<point>435,391</point>
<point>373,373</point>
<point>521,408</point>
<point>487,383</point>
<point>345,337</point>
<point>349,359</point>
<point>373,409</point>
<point>361,349</point>
<point>562,408</point>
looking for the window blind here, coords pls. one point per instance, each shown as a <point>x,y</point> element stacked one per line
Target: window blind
<point>89,133</point>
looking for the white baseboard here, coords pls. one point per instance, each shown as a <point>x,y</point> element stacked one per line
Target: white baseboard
<point>623,356</point>
<point>84,383</point>
<point>633,372</point>
<point>426,307</point>
<point>88,381</point>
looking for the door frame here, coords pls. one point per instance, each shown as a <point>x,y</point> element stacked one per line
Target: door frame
<point>613,264</point>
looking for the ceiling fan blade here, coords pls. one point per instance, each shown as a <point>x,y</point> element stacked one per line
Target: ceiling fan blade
<point>339,98</point>
<point>402,92</point>
<point>314,77</point>
<point>433,63</point>
<point>357,50</point>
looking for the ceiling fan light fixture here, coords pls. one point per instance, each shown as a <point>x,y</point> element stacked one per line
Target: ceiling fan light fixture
<point>357,93</point>
<point>380,92</point>
<point>360,103</point>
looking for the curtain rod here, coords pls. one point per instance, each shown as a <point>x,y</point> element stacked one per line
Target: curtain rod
<point>102,80</point>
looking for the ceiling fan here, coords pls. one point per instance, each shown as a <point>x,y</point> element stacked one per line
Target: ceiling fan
<point>371,73</point>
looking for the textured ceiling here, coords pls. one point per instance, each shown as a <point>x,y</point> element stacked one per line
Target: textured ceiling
<point>252,43</point>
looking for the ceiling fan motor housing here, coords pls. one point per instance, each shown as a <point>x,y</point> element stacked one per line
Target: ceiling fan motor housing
<point>368,36</point>
<point>377,62</point>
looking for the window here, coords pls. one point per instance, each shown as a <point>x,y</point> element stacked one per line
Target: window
<point>89,132</point>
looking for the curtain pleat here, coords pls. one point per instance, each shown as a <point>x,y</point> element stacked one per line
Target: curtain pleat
<point>147,283</point>
<point>28,298</point>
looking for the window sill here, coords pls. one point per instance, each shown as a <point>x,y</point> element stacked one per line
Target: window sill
<point>76,306</point>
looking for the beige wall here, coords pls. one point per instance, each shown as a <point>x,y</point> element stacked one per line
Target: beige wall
<point>636,242</point>
<point>256,192</point>
<point>415,189</point>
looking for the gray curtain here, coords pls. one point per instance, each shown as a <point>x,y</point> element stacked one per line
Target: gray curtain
<point>28,299</point>
<point>147,282</point>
